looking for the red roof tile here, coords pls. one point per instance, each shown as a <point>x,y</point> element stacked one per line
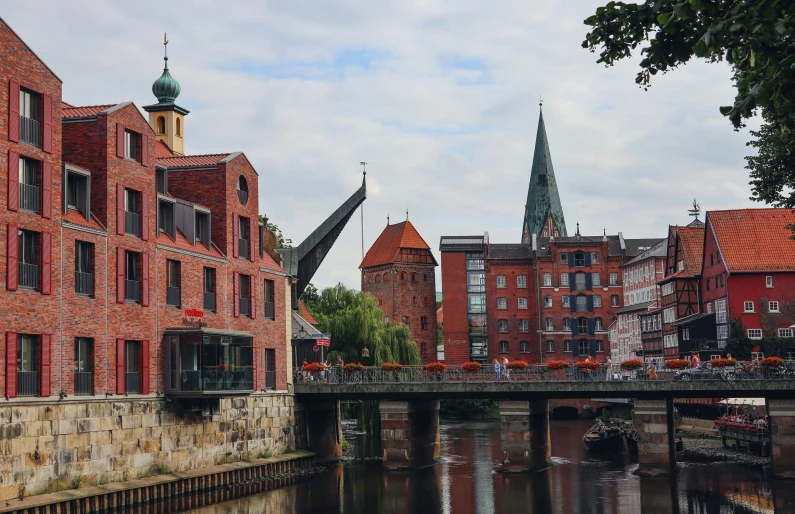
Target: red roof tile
<point>75,218</point>
<point>267,262</point>
<point>183,244</point>
<point>392,239</point>
<point>304,312</point>
<point>162,150</point>
<point>755,240</point>
<point>692,241</point>
<point>189,161</point>
<point>85,111</point>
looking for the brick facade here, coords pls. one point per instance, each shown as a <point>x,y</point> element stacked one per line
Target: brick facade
<point>54,311</point>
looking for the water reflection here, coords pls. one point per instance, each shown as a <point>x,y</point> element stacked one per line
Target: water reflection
<point>466,481</point>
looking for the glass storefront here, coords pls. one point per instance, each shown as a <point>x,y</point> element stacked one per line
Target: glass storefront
<point>204,363</point>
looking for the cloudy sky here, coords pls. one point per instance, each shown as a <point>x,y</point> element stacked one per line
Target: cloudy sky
<point>440,98</point>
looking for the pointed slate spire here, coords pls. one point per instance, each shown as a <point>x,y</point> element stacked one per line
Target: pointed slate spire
<point>543,211</point>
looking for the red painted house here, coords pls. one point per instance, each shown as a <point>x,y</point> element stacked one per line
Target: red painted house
<point>749,272</point>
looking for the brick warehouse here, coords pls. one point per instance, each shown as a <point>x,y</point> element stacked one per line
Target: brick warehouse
<point>399,271</point>
<point>553,296</point>
<point>131,273</point>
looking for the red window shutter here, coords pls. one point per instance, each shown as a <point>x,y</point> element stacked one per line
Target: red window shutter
<point>12,260</point>
<point>252,294</point>
<point>144,150</point>
<point>144,367</point>
<point>236,293</point>
<point>120,209</point>
<point>235,236</point>
<point>254,229</point>
<point>13,117</point>
<point>13,180</point>
<point>11,364</point>
<point>121,286</point>
<point>119,140</point>
<point>46,263</point>
<point>145,279</point>
<point>121,386</point>
<point>46,343</point>
<point>46,140</point>
<point>145,216</point>
<point>46,190</point>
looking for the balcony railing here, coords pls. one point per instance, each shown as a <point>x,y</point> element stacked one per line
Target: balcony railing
<point>132,223</point>
<point>132,290</point>
<point>240,378</point>
<point>30,130</point>
<point>173,296</point>
<point>244,306</point>
<point>243,247</point>
<point>84,383</point>
<point>28,275</point>
<point>84,283</point>
<point>27,383</point>
<point>270,312</point>
<point>209,302</point>
<point>29,197</point>
<point>133,382</point>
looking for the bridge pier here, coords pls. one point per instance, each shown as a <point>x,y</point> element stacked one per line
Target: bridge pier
<point>324,428</point>
<point>781,417</point>
<point>525,435</point>
<point>409,433</point>
<point>654,425</point>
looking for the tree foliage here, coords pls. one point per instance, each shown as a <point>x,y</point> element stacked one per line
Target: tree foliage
<point>353,318</point>
<point>281,242</point>
<point>756,37</point>
<point>310,296</point>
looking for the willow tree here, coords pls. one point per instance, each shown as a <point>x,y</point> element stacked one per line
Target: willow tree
<point>354,320</point>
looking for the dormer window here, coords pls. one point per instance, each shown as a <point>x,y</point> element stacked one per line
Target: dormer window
<point>161,179</point>
<point>165,218</point>
<point>242,190</point>
<point>77,192</point>
<point>203,228</point>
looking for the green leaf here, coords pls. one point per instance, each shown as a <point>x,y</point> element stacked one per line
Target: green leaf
<point>700,49</point>
<point>662,19</point>
<point>698,5</point>
<point>726,109</point>
<point>682,10</point>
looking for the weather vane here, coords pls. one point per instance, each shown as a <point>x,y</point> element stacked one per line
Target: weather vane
<point>696,210</point>
<point>364,167</point>
<point>407,213</point>
<point>540,101</point>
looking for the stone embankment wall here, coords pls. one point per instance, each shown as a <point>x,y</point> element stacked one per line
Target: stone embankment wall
<point>47,446</point>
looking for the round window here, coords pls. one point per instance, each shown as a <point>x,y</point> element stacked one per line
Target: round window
<point>242,190</point>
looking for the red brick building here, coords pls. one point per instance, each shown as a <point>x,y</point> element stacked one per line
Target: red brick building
<point>127,268</point>
<point>399,271</point>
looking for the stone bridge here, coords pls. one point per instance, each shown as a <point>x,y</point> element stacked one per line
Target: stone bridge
<point>410,416</point>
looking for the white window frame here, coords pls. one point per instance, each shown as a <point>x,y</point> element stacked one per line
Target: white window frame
<point>597,300</point>
<point>773,306</point>
<point>748,306</point>
<point>547,279</point>
<point>502,323</point>
<point>754,333</point>
<point>521,302</point>
<point>521,281</point>
<point>548,301</point>
<point>565,344</point>
<point>565,301</point>
<point>613,278</point>
<point>720,311</point>
<point>723,332</point>
<point>785,332</point>
<point>549,323</point>
<point>564,279</point>
<point>600,346</point>
<point>502,304</point>
<point>550,346</point>
<point>524,326</point>
<point>769,281</point>
<point>501,283</point>
<point>596,279</point>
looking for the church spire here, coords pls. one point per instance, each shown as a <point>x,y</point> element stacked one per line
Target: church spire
<point>543,210</point>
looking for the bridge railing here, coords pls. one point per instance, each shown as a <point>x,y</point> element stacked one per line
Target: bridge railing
<point>532,373</point>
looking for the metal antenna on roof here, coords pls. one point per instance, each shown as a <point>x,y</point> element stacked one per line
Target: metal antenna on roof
<point>387,219</point>
<point>407,213</point>
<point>365,351</point>
<point>696,210</point>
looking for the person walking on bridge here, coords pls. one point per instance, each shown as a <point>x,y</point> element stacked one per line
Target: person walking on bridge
<point>497,370</point>
<point>608,368</point>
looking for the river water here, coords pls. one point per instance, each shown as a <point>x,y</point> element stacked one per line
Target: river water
<point>466,481</point>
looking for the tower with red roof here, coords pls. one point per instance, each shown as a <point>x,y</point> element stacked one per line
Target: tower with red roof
<point>399,271</point>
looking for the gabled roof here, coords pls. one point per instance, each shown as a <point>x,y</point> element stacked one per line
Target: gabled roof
<point>543,200</point>
<point>691,240</point>
<point>754,240</point>
<point>193,161</point>
<point>303,310</point>
<point>76,218</point>
<point>509,252</point>
<point>658,250</point>
<point>86,111</point>
<point>162,150</point>
<point>30,49</point>
<point>267,262</point>
<point>392,239</point>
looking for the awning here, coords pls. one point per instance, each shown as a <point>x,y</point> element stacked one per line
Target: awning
<point>756,402</point>
<point>302,329</point>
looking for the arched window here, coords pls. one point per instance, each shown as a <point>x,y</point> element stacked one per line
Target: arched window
<point>378,279</point>
<point>386,277</point>
<point>413,277</point>
<point>161,125</point>
<point>179,127</point>
<point>242,190</point>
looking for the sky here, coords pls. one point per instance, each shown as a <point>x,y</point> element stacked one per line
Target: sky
<point>439,98</point>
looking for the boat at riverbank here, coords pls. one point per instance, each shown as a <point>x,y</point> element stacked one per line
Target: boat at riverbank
<point>604,438</point>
